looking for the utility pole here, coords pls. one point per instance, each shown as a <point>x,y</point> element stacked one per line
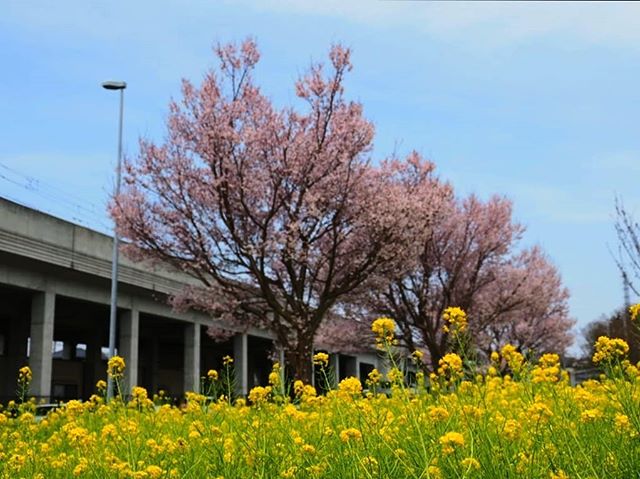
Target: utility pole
<point>113,310</point>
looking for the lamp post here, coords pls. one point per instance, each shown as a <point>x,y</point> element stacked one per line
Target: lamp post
<point>115,85</point>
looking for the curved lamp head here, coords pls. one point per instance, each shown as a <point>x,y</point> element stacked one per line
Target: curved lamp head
<point>114,85</point>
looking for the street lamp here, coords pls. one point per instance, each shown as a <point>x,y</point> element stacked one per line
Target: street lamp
<point>115,85</point>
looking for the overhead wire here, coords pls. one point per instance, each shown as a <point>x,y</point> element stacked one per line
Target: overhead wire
<point>33,183</point>
<point>75,207</point>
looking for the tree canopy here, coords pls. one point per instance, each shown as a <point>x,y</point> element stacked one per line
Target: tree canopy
<point>285,219</point>
<point>279,213</point>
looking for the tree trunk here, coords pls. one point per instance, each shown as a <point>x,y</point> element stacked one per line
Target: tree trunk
<point>435,354</point>
<point>300,361</point>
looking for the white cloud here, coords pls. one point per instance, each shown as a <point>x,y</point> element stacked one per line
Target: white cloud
<point>484,23</point>
<point>477,23</point>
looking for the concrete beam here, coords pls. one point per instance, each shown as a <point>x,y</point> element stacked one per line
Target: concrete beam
<point>40,358</point>
<point>129,342</point>
<point>86,288</point>
<point>192,357</point>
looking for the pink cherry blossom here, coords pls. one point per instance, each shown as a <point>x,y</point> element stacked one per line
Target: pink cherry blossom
<point>278,214</point>
<point>468,258</point>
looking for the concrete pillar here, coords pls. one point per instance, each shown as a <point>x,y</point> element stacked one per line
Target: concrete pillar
<point>129,341</point>
<point>15,347</point>
<point>334,369</point>
<point>283,366</point>
<point>40,359</point>
<point>241,363</point>
<point>192,357</point>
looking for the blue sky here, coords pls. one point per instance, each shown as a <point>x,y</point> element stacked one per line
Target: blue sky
<point>539,102</point>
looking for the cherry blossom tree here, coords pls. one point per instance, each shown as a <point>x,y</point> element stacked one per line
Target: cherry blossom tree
<point>346,334</point>
<point>467,259</point>
<point>278,213</point>
<point>525,306</point>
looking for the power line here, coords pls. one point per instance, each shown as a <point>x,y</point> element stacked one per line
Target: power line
<point>74,205</point>
<point>35,183</point>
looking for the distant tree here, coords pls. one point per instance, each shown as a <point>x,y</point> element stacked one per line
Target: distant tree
<point>628,232</point>
<point>277,213</point>
<point>467,259</point>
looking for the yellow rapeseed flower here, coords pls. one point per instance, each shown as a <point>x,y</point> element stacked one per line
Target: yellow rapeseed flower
<point>621,421</point>
<point>374,377</point>
<point>369,462</point>
<point>101,386</point>
<point>634,311</point>
<point>470,464</point>
<point>539,412</point>
<point>455,320</point>
<point>274,378</point>
<point>308,448</point>
<point>511,429</point>
<point>25,375</point>
<point>395,376</point>
<point>321,359</point>
<point>434,472</point>
<point>590,415</point>
<point>437,413</point>
<point>259,394</point>
<point>350,386</point>
<point>450,441</point>
<point>139,393</point>
<point>154,472</point>
<point>549,360</point>
<point>350,434</point>
<point>81,468</point>
<point>514,425</point>
<point>514,359</point>
<point>140,397</point>
<point>450,366</point>
<point>308,393</point>
<point>609,349</point>
<point>384,328</point>
<point>547,370</point>
<point>115,367</point>
<point>290,473</point>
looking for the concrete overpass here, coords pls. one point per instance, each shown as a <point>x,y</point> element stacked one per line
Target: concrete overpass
<point>54,312</point>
